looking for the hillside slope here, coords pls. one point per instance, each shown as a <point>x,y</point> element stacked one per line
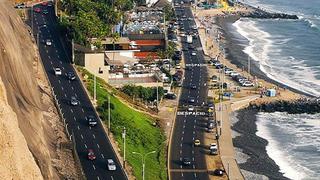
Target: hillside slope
<point>31,134</point>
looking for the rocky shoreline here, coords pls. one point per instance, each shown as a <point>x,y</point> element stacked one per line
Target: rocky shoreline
<point>262,14</point>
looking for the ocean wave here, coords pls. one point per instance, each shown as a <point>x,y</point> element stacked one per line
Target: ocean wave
<point>294,74</point>
<point>292,146</point>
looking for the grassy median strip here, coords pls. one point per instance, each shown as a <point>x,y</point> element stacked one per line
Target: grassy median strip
<point>142,136</point>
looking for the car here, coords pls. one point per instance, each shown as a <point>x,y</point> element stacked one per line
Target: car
<point>218,172</point>
<point>193,53</point>
<point>74,101</point>
<point>197,142</point>
<point>48,42</point>
<point>209,130</point>
<point>213,152</point>
<point>45,11</point>
<point>91,155</point>
<point>213,146</point>
<point>92,121</point>
<point>214,78</point>
<point>37,10</point>
<point>20,6</point>
<point>211,124</point>
<point>228,71</point>
<point>190,108</point>
<point>211,105</point>
<point>233,74</point>
<point>57,71</point>
<point>193,86</point>
<point>170,96</point>
<point>186,161</point>
<point>247,84</point>
<point>71,76</point>
<point>111,165</point>
<point>191,100</point>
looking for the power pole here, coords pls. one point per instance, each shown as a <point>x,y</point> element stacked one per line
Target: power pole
<point>94,88</point>
<point>109,115</point>
<point>157,96</point>
<point>124,147</point>
<point>248,67</point>
<point>72,45</point>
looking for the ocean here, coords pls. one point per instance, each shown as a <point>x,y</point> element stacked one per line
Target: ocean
<point>288,51</point>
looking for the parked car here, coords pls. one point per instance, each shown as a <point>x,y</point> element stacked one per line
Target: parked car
<point>247,84</point>
<point>190,108</point>
<point>91,155</point>
<point>232,74</point>
<point>48,42</point>
<point>213,146</point>
<point>111,165</point>
<point>213,152</point>
<point>214,78</point>
<point>170,96</point>
<point>197,142</point>
<point>218,172</point>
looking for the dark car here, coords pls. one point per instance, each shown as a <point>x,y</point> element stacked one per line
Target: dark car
<point>92,121</point>
<point>74,101</point>
<point>45,11</point>
<point>91,155</point>
<point>71,76</point>
<point>193,86</point>
<point>218,172</point>
<point>211,124</point>
<point>170,96</point>
<point>186,161</point>
<point>213,152</point>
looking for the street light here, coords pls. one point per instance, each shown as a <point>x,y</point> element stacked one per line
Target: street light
<point>143,160</point>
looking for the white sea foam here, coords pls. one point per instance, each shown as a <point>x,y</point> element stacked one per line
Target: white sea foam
<point>262,45</point>
<point>292,142</point>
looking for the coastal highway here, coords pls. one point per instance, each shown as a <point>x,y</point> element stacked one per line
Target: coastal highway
<point>75,116</point>
<point>187,127</point>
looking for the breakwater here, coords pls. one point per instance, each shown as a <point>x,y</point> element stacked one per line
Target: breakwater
<point>304,105</point>
<point>262,14</point>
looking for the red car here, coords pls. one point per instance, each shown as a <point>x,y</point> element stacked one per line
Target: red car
<point>91,155</point>
<point>37,10</point>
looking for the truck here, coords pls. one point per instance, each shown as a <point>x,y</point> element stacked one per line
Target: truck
<point>189,39</point>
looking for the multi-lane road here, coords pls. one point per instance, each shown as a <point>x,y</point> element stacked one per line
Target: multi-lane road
<point>75,116</point>
<point>188,128</point>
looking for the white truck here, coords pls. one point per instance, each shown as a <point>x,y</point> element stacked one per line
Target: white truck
<point>189,39</point>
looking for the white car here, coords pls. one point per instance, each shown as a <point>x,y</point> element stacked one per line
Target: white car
<point>111,165</point>
<point>233,74</point>
<point>213,146</point>
<point>57,71</point>
<point>193,53</point>
<point>247,84</point>
<point>190,108</point>
<point>48,42</point>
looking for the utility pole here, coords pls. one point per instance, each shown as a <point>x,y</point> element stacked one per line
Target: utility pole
<point>248,67</point>
<point>72,44</point>
<point>94,88</point>
<point>157,96</point>
<point>124,147</point>
<point>109,115</point>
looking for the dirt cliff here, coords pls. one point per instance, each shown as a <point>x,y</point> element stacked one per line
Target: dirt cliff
<point>33,144</point>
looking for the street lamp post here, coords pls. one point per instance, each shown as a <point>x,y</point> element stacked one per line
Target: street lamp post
<point>143,157</point>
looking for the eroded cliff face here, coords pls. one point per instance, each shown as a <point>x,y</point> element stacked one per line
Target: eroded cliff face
<point>32,137</point>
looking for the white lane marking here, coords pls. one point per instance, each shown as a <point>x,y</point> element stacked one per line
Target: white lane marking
<point>75,95</point>
<point>78,128</point>
<point>192,152</point>
<point>184,126</point>
<point>85,146</point>
<point>102,156</point>
<point>193,159</point>
<point>98,178</point>
<point>60,62</point>
<point>71,110</point>
<point>72,88</point>
<point>81,136</point>
<point>98,146</point>
<point>51,62</point>
<point>184,121</point>
<point>182,132</point>
<point>58,56</point>
<point>111,177</point>
<point>82,110</point>
<point>181,138</point>
<point>194,166</point>
<point>93,136</point>
<point>180,145</point>
<point>47,51</point>
<point>193,138</point>
<point>94,168</point>
<point>74,118</point>
<point>195,175</point>
<point>56,51</point>
<point>62,88</point>
<point>194,132</point>
<point>180,166</point>
<point>182,174</point>
<point>194,126</point>
<point>65,95</point>
<point>59,81</point>
<point>63,68</point>
<point>180,151</point>
<point>49,57</point>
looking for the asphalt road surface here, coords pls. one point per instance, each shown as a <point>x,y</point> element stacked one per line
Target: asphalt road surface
<point>75,116</point>
<point>188,128</point>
